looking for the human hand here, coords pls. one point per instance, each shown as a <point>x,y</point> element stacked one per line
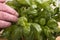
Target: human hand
<point>58,38</point>
<point>1,1</point>
<point>7,15</point>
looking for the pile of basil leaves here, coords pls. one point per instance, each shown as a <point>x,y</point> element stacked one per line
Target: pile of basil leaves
<point>37,20</point>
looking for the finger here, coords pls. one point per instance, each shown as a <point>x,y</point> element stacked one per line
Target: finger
<point>2,1</point>
<point>58,38</point>
<point>8,9</point>
<point>7,17</point>
<point>4,24</point>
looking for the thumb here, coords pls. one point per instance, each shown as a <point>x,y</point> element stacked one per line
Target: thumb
<point>2,1</point>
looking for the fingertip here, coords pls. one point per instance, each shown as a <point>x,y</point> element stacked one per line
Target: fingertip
<point>4,24</point>
<point>14,19</point>
<point>17,14</point>
<point>58,38</point>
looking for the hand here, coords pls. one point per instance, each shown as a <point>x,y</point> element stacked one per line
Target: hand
<point>1,1</point>
<point>7,15</point>
<point>58,38</point>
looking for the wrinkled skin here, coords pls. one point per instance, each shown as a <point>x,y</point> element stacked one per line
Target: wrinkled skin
<point>7,15</point>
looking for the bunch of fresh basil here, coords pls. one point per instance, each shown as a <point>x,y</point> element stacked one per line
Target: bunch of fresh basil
<point>37,20</point>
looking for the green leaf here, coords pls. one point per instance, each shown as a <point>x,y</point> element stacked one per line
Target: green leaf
<point>42,21</point>
<point>47,31</point>
<point>16,34</point>
<point>22,21</point>
<point>37,27</point>
<point>26,29</point>
<point>7,31</point>
<point>52,23</point>
<point>36,30</point>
